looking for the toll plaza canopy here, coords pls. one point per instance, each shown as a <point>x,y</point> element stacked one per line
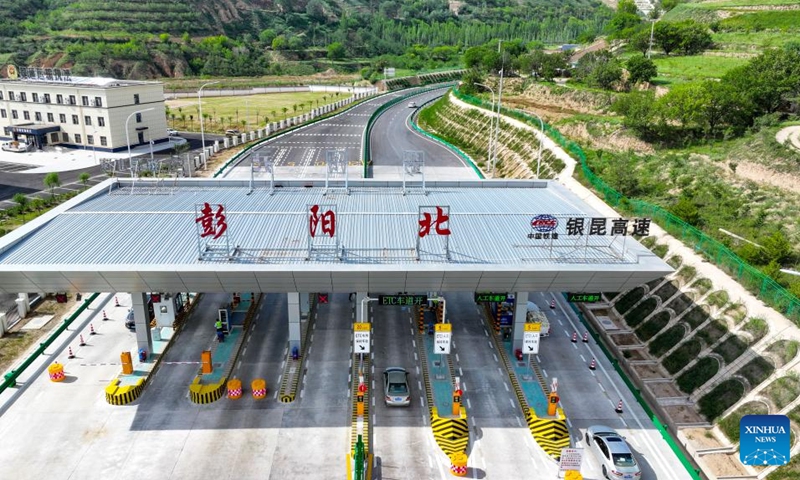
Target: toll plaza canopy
<point>224,235</point>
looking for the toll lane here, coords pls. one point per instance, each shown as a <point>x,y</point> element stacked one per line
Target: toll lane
<point>590,397</point>
<point>315,427</point>
<point>402,443</point>
<point>502,445</point>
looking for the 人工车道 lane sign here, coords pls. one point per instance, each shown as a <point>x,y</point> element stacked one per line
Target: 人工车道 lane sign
<point>441,339</point>
<point>530,338</point>
<point>361,334</point>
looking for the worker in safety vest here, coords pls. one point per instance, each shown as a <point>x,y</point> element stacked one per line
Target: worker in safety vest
<point>220,333</point>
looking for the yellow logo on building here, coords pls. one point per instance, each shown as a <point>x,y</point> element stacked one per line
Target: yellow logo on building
<point>12,72</point>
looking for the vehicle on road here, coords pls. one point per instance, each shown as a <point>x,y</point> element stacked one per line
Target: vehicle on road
<point>412,104</point>
<point>395,387</point>
<point>232,132</point>
<point>16,146</point>
<point>613,453</point>
<point>172,132</point>
<point>129,322</point>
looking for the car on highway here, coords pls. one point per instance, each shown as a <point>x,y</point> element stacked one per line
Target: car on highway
<point>172,132</point>
<point>232,132</point>
<point>395,387</point>
<point>412,104</point>
<point>613,453</point>
<point>130,324</point>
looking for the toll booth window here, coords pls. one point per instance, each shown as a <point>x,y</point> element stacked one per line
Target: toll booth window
<point>163,309</point>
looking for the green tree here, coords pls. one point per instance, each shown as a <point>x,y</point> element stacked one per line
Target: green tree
<point>51,181</point>
<point>778,248</point>
<point>667,36</point>
<point>279,43</point>
<point>625,22</point>
<point>336,51</point>
<point>768,82</point>
<point>84,178</point>
<point>687,211</point>
<point>470,78</point>
<point>22,201</point>
<point>267,36</point>
<point>694,37</point>
<point>641,69</point>
<point>640,41</point>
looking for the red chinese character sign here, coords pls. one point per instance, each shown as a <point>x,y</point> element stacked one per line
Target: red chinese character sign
<point>434,221</point>
<point>321,227</point>
<point>212,230</point>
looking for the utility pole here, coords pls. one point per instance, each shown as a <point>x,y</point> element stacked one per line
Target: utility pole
<point>652,29</point>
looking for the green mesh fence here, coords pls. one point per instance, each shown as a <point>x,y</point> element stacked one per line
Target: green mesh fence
<point>759,284</point>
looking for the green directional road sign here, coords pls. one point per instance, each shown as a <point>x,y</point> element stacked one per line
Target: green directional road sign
<point>573,297</point>
<point>484,297</point>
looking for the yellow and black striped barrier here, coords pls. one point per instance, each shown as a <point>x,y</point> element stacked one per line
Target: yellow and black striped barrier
<point>116,395</point>
<point>287,398</point>
<point>550,433</point>
<point>451,434</point>
<point>204,394</point>
<point>291,380</point>
<point>360,365</point>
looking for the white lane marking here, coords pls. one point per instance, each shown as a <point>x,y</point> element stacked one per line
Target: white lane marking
<point>537,359</point>
<point>506,385</point>
<point>601,387</point>
<point>544,372</point>
<point>495,358</point>
<point>569,423</point>
<point>490,345</point>
<point>469,405</point>
<point>417,367</point>
<point>460,372</point>
<point>623,421</point>
<point>416,359</point>
<point>485,332</point>
<point>239,365</point>
<point>583,359</point>
<point>373,400</point>
<point>419,384</point>
<point>559,321</point>
<point>567,334</point>
<point>276,394</point>
<point>464,386</point>
<point>413,342</point>
<point>575,346</point>
<point>512,403</point>
<point>457,360</point>
<point>519,422</point>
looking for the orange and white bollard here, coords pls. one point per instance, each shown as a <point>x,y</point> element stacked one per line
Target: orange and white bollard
<point>619,406</point>
<point>458,464</point>
<point>585,337</point>
<point>105,317</point>
<point>574,337</point>
<point>592,364</point>
<point>553,304</point>
<point>82,343</point>
<point>70,354</point>
<point>116,302</point>
<point>91,330</point>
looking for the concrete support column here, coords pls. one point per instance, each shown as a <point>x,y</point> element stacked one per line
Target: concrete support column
<point>359,309</point>
<point>2,324</point>
<point>23,304</point>
<point>294,321</point>
<point>141,318</point>
<point>520,315</point>
<point>304,305</point>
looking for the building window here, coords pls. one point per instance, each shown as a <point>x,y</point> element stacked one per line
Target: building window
<point>53,138</point>
<point>62,117</point>
<point>103,141</point>
<point>35,97</point>
<point>46,98</point>
<point>75,120</point>
<point>85,101</point>
<point>87,120</point>
<point>14,114</point>
<point>77,138</point>
<point>11,95</point>
<point>65,137</point>
<point>138,118</point>
<point>1,95</point>
<point>37,116</point>
<point>26,115</point>
<point>72,100</point>
<point>50,117</point>
<point>59,98</point>
<point>3,113</point>
<point>136,98</point>
<point>98,102</point>
<point>101,122</point>
<point>23,97</point>
<point>90,139</point>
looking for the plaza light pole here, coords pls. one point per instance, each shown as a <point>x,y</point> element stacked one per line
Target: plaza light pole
<point>202,131</point>
<point>491,120</point>
<point>127,135</point>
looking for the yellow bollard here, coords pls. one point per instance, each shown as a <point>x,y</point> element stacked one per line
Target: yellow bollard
<point>205,359</point>
<point>552,403</point>
<point>457,402</point>
<point>458,464</point>
<point>127,363</point>
<point>573,475</point>
<point>56,372</point>
<point>234,389</point>
<point>259,388</point>
<point>360,404</point>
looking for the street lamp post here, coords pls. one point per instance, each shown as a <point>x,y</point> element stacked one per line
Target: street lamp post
<point>127,135</point>
<point>492,119</point>
<point>202,131</point>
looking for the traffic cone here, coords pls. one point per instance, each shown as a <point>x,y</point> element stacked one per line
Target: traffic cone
<point>592,364</point>
<point>585,337</point>
<point>574,337</point>
<point>116,302</point>
<point>91,329</point>
<point>70,355</point>
<point>619,407</point>
<point>105,317</point>
<point>553,303</point>
<point>82,342</point>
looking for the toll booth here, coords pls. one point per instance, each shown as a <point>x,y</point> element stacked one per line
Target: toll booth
<point>224,315</point>
<point>503,313</point>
